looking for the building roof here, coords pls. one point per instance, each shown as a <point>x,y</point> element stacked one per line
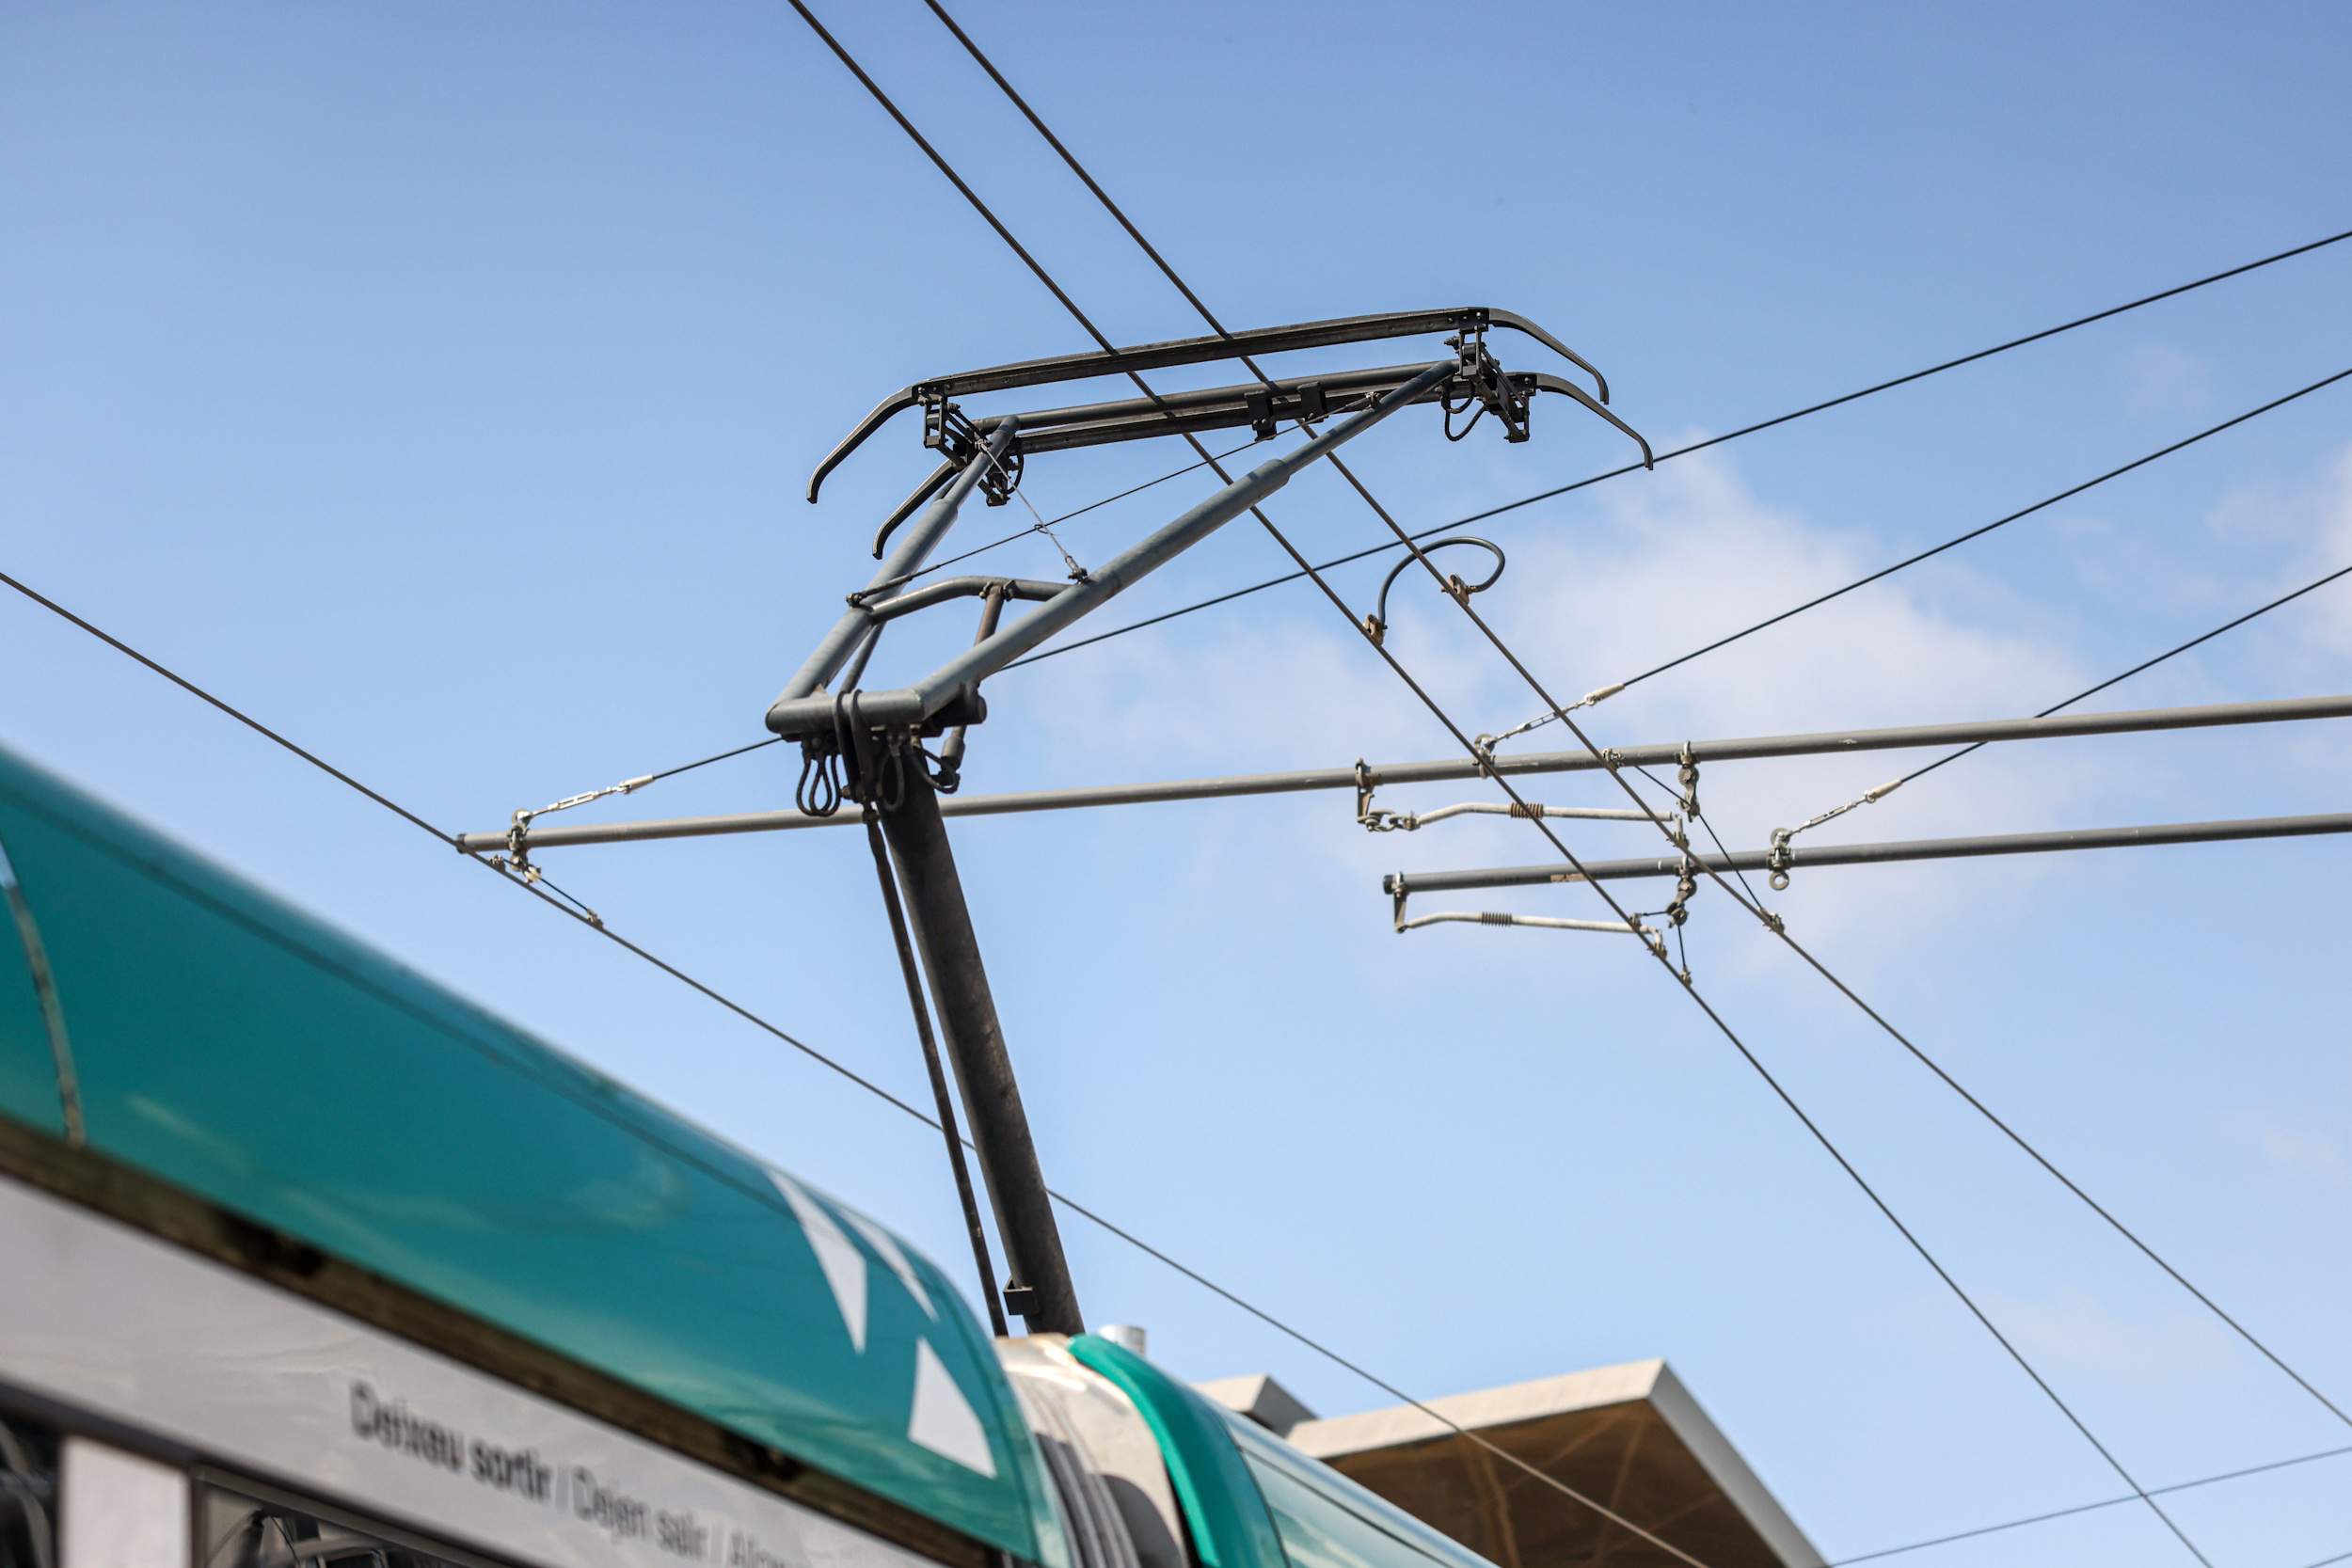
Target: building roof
<point>1630,1437</point>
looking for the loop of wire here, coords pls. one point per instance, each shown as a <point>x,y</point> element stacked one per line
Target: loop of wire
<point>819,792</point>
<point>1471,401</point>
<point>1375,626</point>
<point>944,779</point>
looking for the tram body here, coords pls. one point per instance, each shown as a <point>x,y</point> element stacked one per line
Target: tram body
<point>306,1262</point>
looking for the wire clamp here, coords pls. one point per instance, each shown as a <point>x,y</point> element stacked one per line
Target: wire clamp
<point>1375,626</point>
<point>1777,860</point>
<point>1678,910</point>
<point>1688,776</point>
<point>820,789</point>
<point>517,856</point>
<point>1867,797</point>
<point>1479,381</point>
<point>1371,820</point>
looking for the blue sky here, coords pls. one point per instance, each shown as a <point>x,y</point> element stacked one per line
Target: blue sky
<point>439,384</point>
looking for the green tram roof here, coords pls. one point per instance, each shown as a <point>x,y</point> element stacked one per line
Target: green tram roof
<point>243,1052</point>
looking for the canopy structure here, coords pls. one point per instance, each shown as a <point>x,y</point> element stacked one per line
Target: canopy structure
<point>1631,1437</point>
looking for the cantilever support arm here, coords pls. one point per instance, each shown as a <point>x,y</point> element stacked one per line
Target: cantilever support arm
<point>916,497</point>
<point>796,713</point>
<point>1192,351</point>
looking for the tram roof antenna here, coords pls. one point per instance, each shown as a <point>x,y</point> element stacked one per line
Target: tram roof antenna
<point>937,392</point>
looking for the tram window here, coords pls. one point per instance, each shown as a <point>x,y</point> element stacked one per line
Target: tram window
<point>1327,1521</point>
<point>240,1532</point>
<point>28,1495</point>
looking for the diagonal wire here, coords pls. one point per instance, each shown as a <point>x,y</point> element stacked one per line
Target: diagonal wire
<point>1044,524</point>
<point>1980,532</point>
<point>2093,1508</point>
<point>722,756</point>
<point>1470,747</point>
<point>943,1103</point>
<point>1746,429</point>
<point>2148,664</point>
<point>1956,541</point>
<point>1883,791</point>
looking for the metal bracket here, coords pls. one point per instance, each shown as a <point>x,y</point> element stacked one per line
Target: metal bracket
<point>1372,821</point>
<point>1484,381</point>
<point>946,430</point>
<point>1777,860</point>
<point>1175,412</point>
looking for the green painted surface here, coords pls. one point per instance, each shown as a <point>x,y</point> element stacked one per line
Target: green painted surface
<point>28,1071</point>
<point>1327,1520</point>
<point>241,1049</point>
<point>1253,1501</point>
<point>1229,1525</point>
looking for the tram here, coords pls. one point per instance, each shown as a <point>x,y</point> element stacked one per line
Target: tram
<point>306,1262</point>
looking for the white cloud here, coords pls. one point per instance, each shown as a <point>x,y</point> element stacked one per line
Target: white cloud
<point>2314,519</point>
<point>2303,1157</point>
<point>2074,1327</point>
<point>2161,379</point>
<point>1649,567</point>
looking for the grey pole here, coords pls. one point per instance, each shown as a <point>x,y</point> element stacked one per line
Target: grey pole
<point>1039,1291</point>
<point>1799,858</point>
<point>1911,737</point>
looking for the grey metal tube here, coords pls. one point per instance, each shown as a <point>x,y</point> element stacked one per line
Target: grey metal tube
<point>1805,857</point>
<point>921,539</point>
<point>940,590</point>
<point>2280,710</point>
<point>796,713</point>
<point>1540,922</point>
<point>1041,1290</point>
